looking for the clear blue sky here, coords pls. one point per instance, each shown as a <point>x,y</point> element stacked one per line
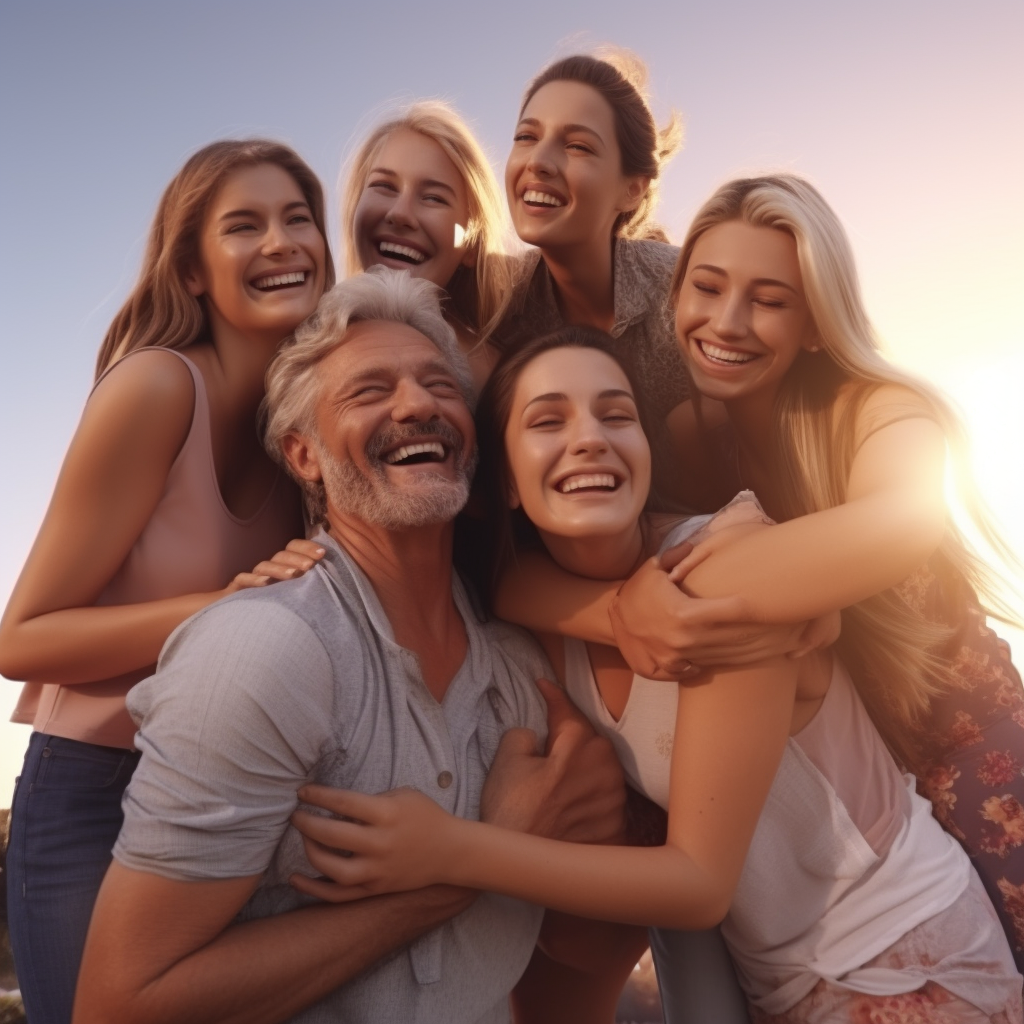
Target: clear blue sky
<point>909,115</point>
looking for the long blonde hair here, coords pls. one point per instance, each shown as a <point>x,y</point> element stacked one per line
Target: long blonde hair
<point>161,311</point>
<point>478,296</point>
<point>890,647</point>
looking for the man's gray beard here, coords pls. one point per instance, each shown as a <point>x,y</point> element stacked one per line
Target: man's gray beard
<point>372,499</point>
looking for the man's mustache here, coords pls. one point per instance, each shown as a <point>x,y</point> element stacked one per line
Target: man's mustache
<point>395,434</point>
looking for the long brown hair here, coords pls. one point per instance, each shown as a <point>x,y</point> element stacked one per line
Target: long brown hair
<point>507,529</point>
<point>621,78</point>
<point>161,311</point>
<point>893,651</point>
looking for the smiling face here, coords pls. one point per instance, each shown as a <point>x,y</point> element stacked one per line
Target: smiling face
<point>742,316</point>
<point>396,444</point>
<point>413,212</point>
<point>564,175</point>
<point>578,461</point>
<point>261,266</point>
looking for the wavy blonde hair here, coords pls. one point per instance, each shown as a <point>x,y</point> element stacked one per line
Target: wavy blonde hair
<point>478,295</point>
<point>161,311</point>
<point>889,646</point>
<point>621,78</point>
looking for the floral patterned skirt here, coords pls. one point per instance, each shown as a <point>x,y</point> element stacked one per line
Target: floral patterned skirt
<point>982,989</point>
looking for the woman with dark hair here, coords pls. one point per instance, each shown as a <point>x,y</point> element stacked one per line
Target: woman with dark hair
<point>165,499</point>
<point>581,181</point>
<point>842,897</point>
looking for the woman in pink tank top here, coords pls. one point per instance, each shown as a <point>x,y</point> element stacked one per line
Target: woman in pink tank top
<point>165,502</point>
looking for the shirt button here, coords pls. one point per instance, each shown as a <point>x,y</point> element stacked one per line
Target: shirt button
<point>444,780</point>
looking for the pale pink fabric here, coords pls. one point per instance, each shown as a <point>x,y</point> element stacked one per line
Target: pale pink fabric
<point>191,544</point>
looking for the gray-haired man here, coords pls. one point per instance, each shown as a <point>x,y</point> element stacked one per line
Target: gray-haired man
<point>370,672</point>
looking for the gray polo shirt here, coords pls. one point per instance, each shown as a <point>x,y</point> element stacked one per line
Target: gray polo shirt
<point>303,682</point>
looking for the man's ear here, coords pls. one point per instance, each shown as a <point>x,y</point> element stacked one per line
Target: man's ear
<point>301,454</point>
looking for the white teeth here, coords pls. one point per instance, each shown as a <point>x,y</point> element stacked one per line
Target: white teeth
<point>724,355</point>
<point>278,279</point>
<point>575,483</point>
<point>401,250</point>
<point>428,447</point>
<point>530,196</point>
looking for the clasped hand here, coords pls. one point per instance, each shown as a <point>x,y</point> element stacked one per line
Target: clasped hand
<point>403,840</point>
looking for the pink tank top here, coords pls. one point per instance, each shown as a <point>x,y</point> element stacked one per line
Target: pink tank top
<point>191,544</point>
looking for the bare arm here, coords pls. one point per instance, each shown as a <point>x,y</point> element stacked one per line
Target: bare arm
<point>729,740</point>
<point>161,951</point>
<point>892,521</point>
<point>112,479</point>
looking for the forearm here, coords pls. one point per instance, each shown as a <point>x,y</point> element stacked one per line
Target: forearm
<point>659,886</point>
<point>821,562</point>
<point>534,592</point>
<point>81,645</point>
<point>267,970</point>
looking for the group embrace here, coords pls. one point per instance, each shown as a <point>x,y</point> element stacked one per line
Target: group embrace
<point>760,724</point>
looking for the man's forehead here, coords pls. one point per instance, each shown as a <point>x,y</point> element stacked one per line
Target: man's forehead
<point>383,344</point>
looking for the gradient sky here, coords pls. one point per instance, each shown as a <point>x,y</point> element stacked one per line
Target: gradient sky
<point>909,116</point>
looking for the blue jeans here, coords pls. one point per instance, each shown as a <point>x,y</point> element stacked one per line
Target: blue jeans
<point>65,818</point>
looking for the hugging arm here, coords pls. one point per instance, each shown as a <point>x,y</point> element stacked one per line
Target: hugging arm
<point>113,477</point>
<point>892,521</point>
<point>180,957</point>
<point>729,740</point>
<point>658,629</point>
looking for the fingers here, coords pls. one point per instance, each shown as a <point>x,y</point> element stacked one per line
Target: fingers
<point>298,557</point>
<point>247,580</point>
<point>517,743</point>
<point>567,726</point>
<point>672,556</point>
<point>345,802</point>
<point>329,892</point>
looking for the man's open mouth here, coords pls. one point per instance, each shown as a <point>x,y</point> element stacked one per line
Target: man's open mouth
<point>413,454</point>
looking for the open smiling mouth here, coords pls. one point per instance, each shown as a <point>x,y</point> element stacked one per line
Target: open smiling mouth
<point>274,282</point>
<point>591,483</point>
<point>415,454</point>
<point>404,253</point>
<point>534,198</point>
<point>724,356</point>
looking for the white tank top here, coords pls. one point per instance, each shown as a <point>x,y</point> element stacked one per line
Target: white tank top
<point>846,857</point>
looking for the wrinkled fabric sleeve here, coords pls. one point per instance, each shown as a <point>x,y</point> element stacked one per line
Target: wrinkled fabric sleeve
<point>231,725</point>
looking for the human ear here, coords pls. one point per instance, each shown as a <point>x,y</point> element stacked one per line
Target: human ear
<point>194,282</point>
<point>469,257</point>
<point>301,455</point>
<point>636,188</point>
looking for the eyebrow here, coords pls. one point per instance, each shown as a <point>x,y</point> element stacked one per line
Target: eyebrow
<point>533,122</point>
<point>388,373</point>
<point>759,280</point>
<point>255,213</point>
<point>428,183</point>
<point>558,396</point>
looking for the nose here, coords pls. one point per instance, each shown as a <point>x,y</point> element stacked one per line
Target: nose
<point>541,160</point>
<point>730,318</point>
<point>401,213</point>
<point>278,239</point>
<point>413,403</point>
<point>588,436</point>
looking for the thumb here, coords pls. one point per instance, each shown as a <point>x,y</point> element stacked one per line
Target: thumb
<point>517,743</point>
<point>564,718</point>
<point>672,556</point>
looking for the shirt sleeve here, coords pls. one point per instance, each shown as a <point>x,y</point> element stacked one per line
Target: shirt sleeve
<point>231,725</point>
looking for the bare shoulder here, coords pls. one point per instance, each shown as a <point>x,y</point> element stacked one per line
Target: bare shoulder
<point>150,394</point>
